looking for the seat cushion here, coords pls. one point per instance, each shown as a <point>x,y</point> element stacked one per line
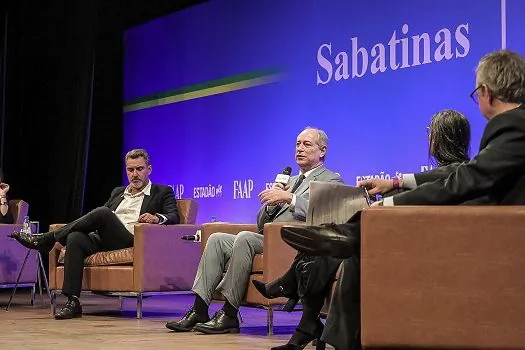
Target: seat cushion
<point>112,257</point>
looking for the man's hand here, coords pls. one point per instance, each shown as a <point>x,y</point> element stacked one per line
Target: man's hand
<point>4,188</point>
<point>275,196</point>
<point>375,186</point>
<point>149,218</point>
<point>280,186</point>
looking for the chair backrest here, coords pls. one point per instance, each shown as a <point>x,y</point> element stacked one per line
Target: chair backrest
<point>187,210</point>
<point>18,209</point>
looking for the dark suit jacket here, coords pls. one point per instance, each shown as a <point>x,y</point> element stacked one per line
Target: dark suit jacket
<point>497,173</point>
<point>160,201</point>
<point>7,218</point>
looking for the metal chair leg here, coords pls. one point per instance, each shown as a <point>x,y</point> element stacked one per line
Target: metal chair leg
<point>139,306</point>
<point>43,276</point>
<point>53,303</point>
<point>17,280</point>
<point>269,321</point>
<point>33,292</point>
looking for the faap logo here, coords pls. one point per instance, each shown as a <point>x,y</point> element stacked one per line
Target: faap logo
<point>178,190</point>
<point>242,189</point>
<point>207,191</point>
<point>268,185</point>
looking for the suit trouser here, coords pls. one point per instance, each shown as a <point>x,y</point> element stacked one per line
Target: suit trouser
<point>223,247</point>
<point>343,324</point>
<point>98,230</point>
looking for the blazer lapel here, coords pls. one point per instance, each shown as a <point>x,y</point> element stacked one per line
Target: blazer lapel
<point>145,203</point>
<point>116,200</point>
<point>303,187</point>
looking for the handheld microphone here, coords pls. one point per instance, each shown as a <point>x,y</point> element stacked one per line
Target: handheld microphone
<point>284,177</point>
<point>196,237</point>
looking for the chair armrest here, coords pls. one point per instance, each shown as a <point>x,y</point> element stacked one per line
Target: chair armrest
<point>209,228</point>
<point>162,261</point>
<point>443,277</point>
<point>53,258</point>
<point>278,256</point>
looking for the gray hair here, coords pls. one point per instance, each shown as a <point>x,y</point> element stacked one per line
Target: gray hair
<point>137,153</point>
<point>322,138</point>
<point>503,72</point>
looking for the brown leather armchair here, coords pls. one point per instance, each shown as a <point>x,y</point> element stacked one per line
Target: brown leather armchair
<point>443,277</point>
<point>158,263</point>
<point>274,262</point>
<point>12,253</point>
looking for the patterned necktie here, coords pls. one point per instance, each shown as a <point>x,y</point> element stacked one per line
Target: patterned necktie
<point>298,183</point>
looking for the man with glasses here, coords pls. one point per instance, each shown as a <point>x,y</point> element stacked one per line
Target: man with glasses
<point>496,174</point>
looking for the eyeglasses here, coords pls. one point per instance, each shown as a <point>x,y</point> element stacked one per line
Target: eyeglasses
<point>474,94</point>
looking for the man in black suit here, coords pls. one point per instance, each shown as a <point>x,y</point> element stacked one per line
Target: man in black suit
<point>109,227</point>
<point>495,176</point>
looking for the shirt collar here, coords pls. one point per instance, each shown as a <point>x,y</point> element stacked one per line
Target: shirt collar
<point>146,191</point>
<point>311,170</point>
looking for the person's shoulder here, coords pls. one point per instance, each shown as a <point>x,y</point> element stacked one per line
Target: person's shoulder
<point>513,118</point>
<point>119,189</point>
<point>327,173</point>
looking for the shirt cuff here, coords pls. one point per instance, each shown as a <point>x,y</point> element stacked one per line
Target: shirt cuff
<point>162,218</point>
<point>388,201</point>
<point>292,205</point>
<point>409,181</point>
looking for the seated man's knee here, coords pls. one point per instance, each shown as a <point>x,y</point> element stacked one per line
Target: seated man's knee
<point>74,238</point>
<point>244,237</point>
<point>216,237</point>
<point>101,211</point>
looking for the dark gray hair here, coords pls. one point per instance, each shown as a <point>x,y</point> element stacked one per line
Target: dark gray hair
<point>503,72</point>
<point>137,153</point>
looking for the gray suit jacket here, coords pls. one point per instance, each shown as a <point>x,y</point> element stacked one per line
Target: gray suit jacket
<point>302,194</point>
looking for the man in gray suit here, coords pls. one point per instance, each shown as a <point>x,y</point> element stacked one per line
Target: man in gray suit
<point>282,203</point>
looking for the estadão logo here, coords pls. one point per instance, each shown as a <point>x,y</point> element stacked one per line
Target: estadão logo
<point>416,50</point>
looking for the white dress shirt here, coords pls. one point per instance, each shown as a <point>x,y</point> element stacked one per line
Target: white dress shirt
<point>294,197</point>
<point>128,211</point>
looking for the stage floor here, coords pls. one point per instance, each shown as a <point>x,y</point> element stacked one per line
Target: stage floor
<point>103,326</point>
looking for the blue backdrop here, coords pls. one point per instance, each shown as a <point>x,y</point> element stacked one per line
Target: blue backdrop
<point>218,93</point>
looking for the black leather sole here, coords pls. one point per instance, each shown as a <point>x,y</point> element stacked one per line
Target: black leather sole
<point>178,328</point>
<point>57,317</point>
<point>207,330</point>
<point>315,243</point>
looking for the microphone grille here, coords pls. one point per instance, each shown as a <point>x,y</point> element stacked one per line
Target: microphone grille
<point>287,170</point>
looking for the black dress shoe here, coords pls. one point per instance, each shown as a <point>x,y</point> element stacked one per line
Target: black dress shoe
<point>219,324</point>
<point>72,309</point>
<point>300,340</point>
<point>186,323</point>
<point>272,290</point>
<point>326,240</point>
<point>38,241</point>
